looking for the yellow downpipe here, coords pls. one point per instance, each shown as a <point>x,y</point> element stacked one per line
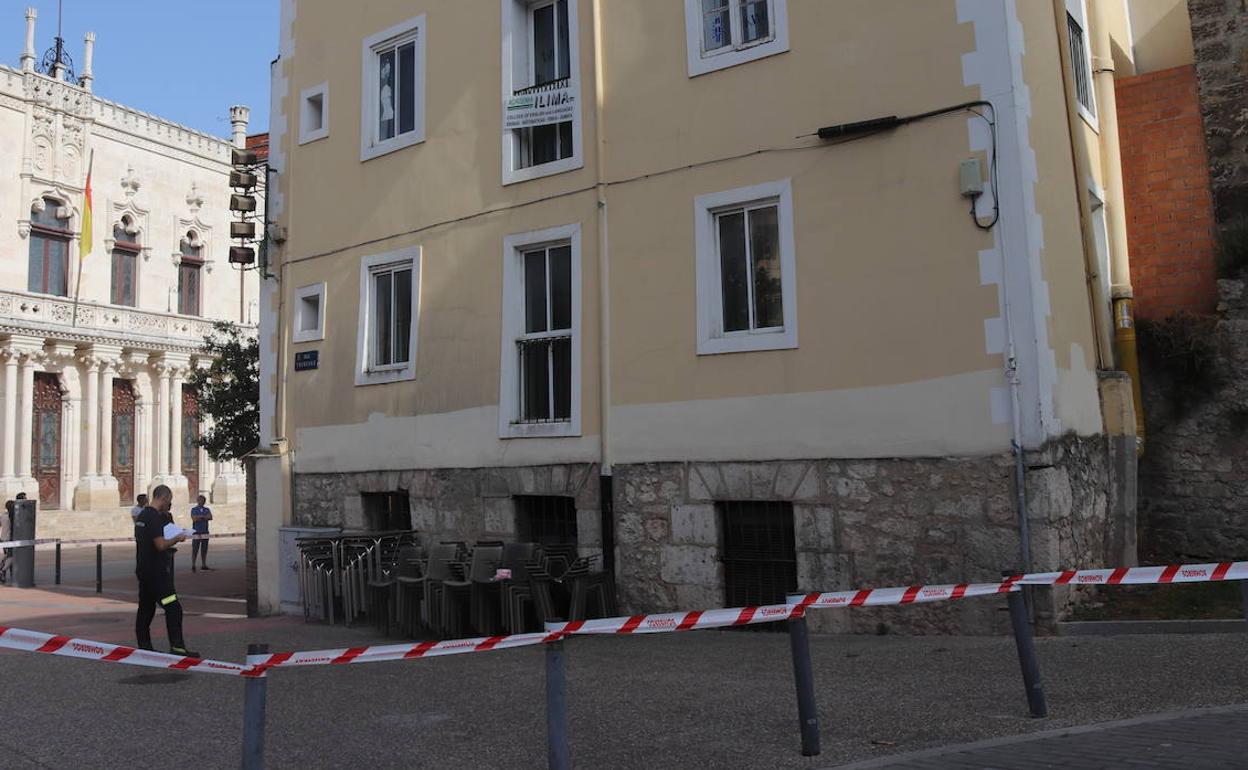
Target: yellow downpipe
<point>1115,205</point>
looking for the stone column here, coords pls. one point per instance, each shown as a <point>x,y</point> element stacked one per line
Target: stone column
<point>107,370</point>
<point>71,427</point>
<point>25,433</point>
<point>162,422</point>
<point>8,450</point>
<point>144,438</point>
<point>91,416</point>
<point>28,53</point>
<point>175,422</point>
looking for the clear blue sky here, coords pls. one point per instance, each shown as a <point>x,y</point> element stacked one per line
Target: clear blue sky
<point>185,60</point>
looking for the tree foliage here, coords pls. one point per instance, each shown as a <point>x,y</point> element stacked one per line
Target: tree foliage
<point>229,393</point>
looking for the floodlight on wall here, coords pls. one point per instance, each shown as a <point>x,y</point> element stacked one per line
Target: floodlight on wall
<point>243,180</point>
<point>241,157</point>
<point>242,255</point>
<point>243,203</point>
<point>243,230</point>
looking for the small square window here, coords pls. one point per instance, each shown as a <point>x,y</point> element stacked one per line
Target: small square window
<point>725,33</point>
<point>393,111</point>
<point>314,114</point>
<point>310,313</point>
<point>746,270</point>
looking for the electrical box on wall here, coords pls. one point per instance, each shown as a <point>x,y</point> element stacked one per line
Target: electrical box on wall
<point>970,178</point>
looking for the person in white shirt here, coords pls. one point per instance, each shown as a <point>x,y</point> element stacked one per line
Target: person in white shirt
<point>140,504</point>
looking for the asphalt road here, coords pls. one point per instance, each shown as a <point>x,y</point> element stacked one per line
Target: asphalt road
<point>707,699</point>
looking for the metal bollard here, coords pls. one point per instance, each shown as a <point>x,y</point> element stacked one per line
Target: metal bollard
<point>254,695</point>
<point>804,680</point>
<point>1243,592</point>
<point>558,755</point>
<point>99,568</point>
<point>58,563</point>
<point>1027,660</point>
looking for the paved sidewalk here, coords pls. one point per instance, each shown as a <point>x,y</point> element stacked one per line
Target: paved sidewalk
<point>1201,738</point>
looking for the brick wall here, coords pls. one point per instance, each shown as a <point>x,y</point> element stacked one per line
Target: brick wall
<point>1169,205</point>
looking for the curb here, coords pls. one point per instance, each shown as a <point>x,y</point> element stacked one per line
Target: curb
<point>1128,627</point>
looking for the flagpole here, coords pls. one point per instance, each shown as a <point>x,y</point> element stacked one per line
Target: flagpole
<point>89,223</point>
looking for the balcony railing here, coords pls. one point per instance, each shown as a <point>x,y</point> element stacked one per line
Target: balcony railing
<point>38,310</point>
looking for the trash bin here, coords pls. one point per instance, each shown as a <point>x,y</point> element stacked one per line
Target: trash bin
<point>24,556</point>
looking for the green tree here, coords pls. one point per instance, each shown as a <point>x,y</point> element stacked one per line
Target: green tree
<point>229,393</point>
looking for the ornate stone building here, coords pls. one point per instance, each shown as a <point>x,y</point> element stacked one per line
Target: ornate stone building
<point>96,350</point>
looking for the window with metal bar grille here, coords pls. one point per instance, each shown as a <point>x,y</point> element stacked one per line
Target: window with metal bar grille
<point>1079,63</point>
<point>546,519</point>
<point>759,554</point>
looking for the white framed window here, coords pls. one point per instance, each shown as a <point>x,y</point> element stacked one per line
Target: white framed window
<point>310,313</point>
<point>725,33</point>
<point>314,113</point>
<point>540,383</point>
<point>541,89</point>
<point>746,269</point>
<point>392,115</point>
<point>389,317</point>
<point>1081,59</point>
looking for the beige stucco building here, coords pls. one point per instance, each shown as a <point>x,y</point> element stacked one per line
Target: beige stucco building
<point>620,290</point>
<point>94,408</point>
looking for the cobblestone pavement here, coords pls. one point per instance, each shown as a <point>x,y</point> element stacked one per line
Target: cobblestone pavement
<point>1203,738</point>
<point>707,699</point>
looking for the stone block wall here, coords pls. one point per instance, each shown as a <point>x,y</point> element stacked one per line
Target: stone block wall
<point>1194,474</point>
<point>866,523</point>
<point>1220,39</point>
<point>453,504</point>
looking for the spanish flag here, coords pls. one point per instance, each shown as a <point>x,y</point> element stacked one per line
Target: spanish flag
<point>84,239</point>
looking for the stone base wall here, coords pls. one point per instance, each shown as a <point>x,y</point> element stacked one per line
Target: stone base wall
<point>856,523</point>
<point>1194,474</point>
<point>867,523</point>
<point>453,504</point>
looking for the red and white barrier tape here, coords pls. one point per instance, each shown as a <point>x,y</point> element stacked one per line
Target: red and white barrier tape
<point>1175,573</point>
<point>680,621</point>
<point>33,641</point>
<point>921,594</point>
<point>26,543</point>
<point>85,649</point>
<point>374,654</point>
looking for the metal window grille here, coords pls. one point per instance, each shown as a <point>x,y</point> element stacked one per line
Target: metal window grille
<point>546,519</point>
<point>759,554</point>
<point>387,511</point>
<point>1079,62</point>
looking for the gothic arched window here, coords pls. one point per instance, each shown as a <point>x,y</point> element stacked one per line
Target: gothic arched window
<point>190,270</point>
<point>126,250</point>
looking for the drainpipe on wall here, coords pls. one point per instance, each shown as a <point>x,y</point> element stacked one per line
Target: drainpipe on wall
<point>606,488</point>
<point>1116,218</point>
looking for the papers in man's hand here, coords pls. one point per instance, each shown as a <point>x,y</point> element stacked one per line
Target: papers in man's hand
<point>173,530</point>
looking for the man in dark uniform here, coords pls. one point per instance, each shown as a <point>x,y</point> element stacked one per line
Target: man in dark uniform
<point>154,568</point>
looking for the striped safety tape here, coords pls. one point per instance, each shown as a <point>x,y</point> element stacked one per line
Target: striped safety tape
<point>1174,573</point>
<point>681,621</point>
<point>920,594</point>
<point>85,649</point>
<point>374,654</point>
<point>25,543</point>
